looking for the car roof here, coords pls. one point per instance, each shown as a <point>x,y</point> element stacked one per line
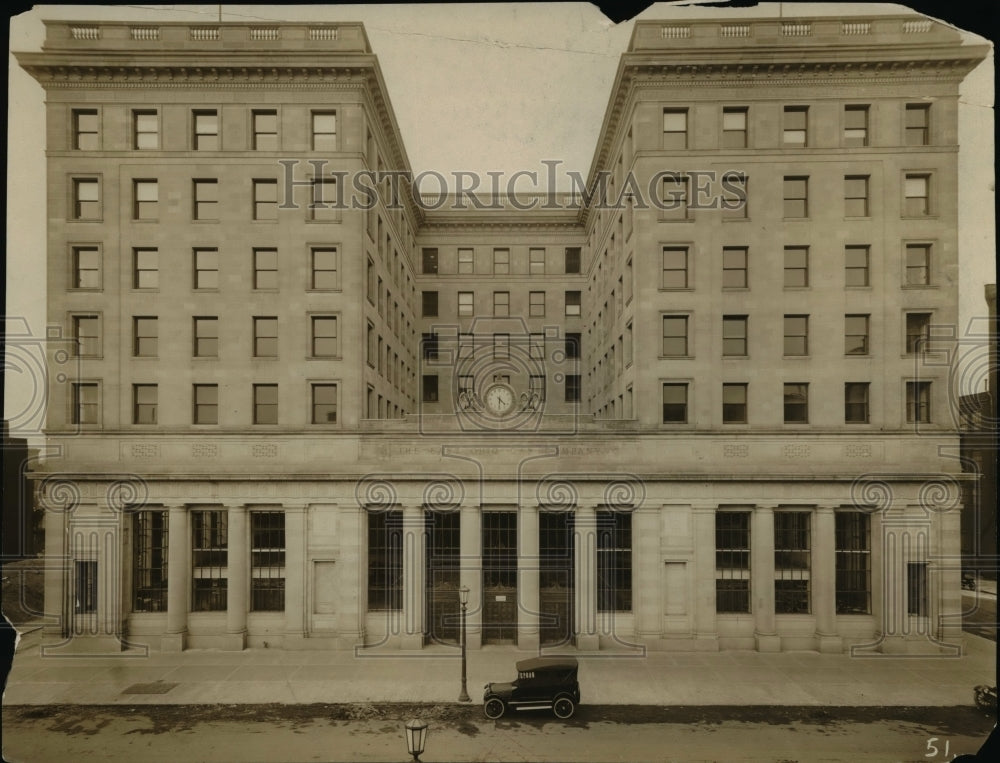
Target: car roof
<point>547,663</point>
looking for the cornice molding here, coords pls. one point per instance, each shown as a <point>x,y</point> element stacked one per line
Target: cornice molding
<point>479,225</point>
<point>188,76</point>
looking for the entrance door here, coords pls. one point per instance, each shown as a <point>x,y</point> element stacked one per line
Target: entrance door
<point>499,577</point>
<point>442,575</point>
<point>555,577</point>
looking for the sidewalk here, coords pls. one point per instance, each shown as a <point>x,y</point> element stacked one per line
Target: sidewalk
<point>433,675</point>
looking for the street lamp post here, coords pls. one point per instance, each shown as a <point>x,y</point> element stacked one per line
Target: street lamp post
<point>416,738</point>
<point>463,592</point>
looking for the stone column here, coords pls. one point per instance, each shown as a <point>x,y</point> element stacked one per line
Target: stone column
<point>585,578</point>
<point>705,628</point>
<point>471,542</point>
<point>238,579</point>
<point>647,591</point>
<point>295,561</point>
<point>57,598</point>
<point>413,578</point>
<point>762,579</point>
<point>527,584</point>
<point>178,578</point>
<point>823,579</point>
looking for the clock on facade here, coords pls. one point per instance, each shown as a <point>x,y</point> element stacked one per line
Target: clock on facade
<point>499,399</point>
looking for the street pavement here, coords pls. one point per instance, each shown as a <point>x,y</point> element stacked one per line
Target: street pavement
<point>201,676</point>
<point>596,734</point>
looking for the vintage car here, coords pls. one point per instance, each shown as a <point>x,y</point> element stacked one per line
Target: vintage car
<point>542,683</point>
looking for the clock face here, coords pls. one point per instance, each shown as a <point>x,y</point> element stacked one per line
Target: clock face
<point>499,399</point>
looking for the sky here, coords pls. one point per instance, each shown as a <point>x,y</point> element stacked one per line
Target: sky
<point>488,87</point>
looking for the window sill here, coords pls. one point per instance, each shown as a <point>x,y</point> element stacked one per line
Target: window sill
<point>734,219</point>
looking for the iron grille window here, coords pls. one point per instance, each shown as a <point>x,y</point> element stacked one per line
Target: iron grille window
<point>853,563</point>
<point>86,587</point>
<point>444,551</point>
<point>792,562</point>
<point>916,589</point>
<point>267,561</point>
<point>500,549</point>
<point>614,561</point>
<point>385,560</point>
<point>732,561</point>
<point>149,561</point>
<point>209,560</point>
<point>555,549</point>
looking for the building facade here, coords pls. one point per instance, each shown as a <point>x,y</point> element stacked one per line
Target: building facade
<point>310,407</point>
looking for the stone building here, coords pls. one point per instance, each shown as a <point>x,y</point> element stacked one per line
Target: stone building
<point>311,406</point>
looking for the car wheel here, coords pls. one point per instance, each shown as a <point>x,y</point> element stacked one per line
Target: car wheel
<point>563,707</point>
<point>494,708</point>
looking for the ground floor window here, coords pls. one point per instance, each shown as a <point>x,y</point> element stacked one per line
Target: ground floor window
<point>916,589</point>
<point>86,587</point>
<point>853,571</point>
<point>792,562</point>
<point>149,561</point>
<point>732,561</point>
<point>385,560</point>
<point>209,560</point>
<point>267,561</point>
<point>614,561</point>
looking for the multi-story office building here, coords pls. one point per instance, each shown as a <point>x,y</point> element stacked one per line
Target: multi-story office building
<point>701,410</point>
